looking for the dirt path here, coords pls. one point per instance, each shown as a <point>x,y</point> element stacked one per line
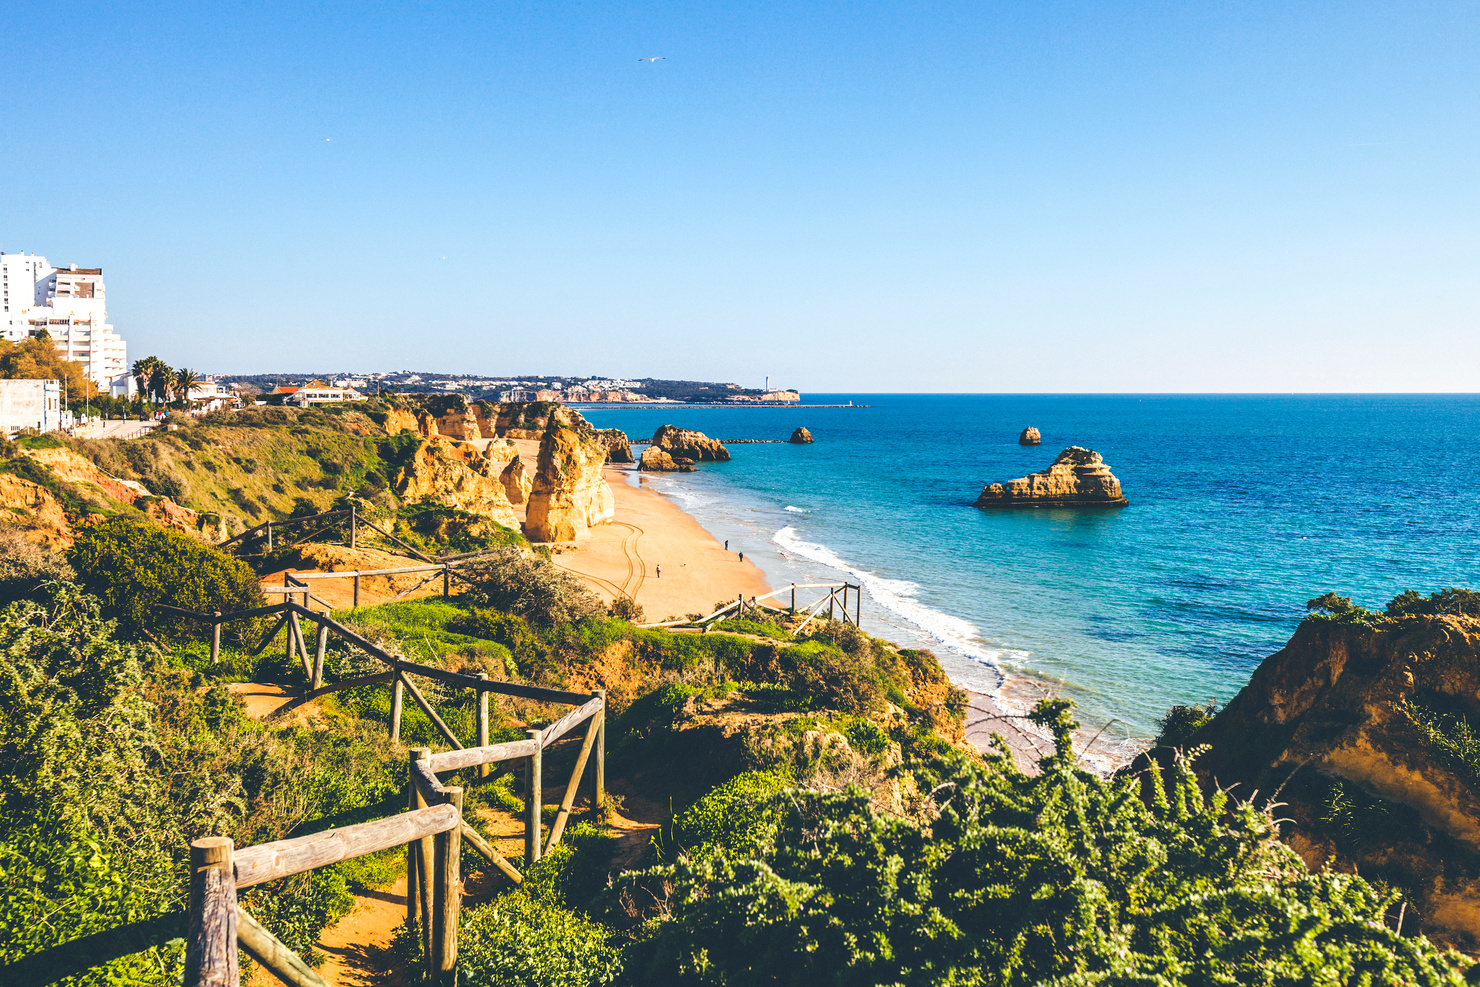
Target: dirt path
<point>359,945</point>
<point>634,826</point>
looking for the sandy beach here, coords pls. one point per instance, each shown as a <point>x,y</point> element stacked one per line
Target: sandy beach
<point>650,533</point>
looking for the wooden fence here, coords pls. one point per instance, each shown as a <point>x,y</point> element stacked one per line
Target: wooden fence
<point>261,537</point>
<point>432,828</point>
<point>835,600</point>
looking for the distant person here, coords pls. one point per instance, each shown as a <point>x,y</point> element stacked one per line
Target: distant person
<point>742,556</point>
<point>659,570</point>
<point>727,544</point>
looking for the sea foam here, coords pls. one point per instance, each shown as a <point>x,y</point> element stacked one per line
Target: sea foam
<point>898,597</point>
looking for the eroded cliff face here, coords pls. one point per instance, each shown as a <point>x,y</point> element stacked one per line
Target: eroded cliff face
<point>1077,478</point>
<point>458,475</point>
<point>685,444</point>
<point>1349,724</point>
<point>568,494</point>
<point>31,509</point>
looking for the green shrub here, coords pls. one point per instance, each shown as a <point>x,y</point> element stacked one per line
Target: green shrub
<point>521,940</point>
<point>1181,722</point>
<point>131,565</point>
<point>531,654</point>
<point>1341,610</point>
<point>840,680</point>
<point>736,817</point>
<point>1014,880</point>
<point>531,587</point>
<point>26,567</point>
<point>1451,734</point>
<point>1451,599</point>
<point>752,627</point>
<point>866,737</point>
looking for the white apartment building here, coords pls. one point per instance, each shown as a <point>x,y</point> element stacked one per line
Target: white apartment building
<point>71,305</point>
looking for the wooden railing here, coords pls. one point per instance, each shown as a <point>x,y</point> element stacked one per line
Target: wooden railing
<point>835,599</point>
<point>261,535</point>
<point>432,828</point>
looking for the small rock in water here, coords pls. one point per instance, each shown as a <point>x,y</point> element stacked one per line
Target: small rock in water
<point>801,436</point>
<point>1030,437</point>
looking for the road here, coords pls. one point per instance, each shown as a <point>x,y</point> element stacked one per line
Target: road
<point>115,430</point>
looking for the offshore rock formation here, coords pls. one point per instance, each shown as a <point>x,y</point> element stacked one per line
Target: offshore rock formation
<point>683,444</point>
<point>1356,727</point>
<point>1030,437</point>
<point>801,437</point>
<point>516,481</point>
<point>1077,478</point>
<point>655,460</point>
<point>618,449</point>
<point>569,493</point>
<point>457,475</point>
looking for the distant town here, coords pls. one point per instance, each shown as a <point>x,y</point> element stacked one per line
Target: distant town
<point>568,390</point>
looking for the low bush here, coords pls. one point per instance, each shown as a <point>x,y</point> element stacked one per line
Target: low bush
<point>25,568</point>
<point>1181,722</point>
<point>1451,599</point>
<point>736,817</point>
<point>531,587</point>
<point>132,564</point>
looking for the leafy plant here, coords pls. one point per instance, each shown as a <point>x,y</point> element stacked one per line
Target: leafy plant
<point>132,565</point>
<point>1014,879</point>
<point>531,587</point>
<point>1183,721</point>
<point>1451,599</point>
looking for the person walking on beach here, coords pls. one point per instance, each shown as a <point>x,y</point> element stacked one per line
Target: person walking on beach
<point>727,544</point>
<point>659,570</point>
<point>742,556</point>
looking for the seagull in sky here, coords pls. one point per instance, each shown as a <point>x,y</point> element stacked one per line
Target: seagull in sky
<point>655,58</point>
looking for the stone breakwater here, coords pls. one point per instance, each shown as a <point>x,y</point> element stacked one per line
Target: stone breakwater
<point>1077,478</point>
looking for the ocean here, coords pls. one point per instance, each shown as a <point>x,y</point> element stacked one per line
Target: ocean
<point>1242,508</point>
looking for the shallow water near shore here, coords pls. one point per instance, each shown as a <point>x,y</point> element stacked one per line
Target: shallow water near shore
<point>1242,508</point>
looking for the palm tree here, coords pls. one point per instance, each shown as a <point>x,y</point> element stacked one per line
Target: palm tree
<point>185,379</point>
<point>161,382</point>
<point>142,369</point>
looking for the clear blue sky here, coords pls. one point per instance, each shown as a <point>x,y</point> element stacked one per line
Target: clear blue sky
<point>1030,196</point>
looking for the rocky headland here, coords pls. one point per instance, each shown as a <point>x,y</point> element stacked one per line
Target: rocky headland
<point>1365,732</point>
<point>1077,478</point>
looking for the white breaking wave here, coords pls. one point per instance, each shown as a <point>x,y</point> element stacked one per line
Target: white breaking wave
<point>796,510</point>
<point>897,597</point>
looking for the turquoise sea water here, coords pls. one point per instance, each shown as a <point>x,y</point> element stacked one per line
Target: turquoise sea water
<point>1242,508</point>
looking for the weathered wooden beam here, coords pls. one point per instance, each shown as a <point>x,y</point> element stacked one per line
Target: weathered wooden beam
<point>575,782</point>
<point>571,719</point>
<point>420,555</point>
<point>418,854</point>
<point>284,858</point>
<point>322,645</point>
<point>267,638</point>
<point>398,692</point>
<point>449,895</point>
<point>483,723</point>
<point>598,799</point>
<point>494,685</point>
<point>491,854</point>
<point>474,756</point>
<point>534,796</point>
<point>407,592</point>
<point>216,638</point>
<point>210,942</point>
<point>425,779</point>
<point>426,708</point>
<point>277,959</point>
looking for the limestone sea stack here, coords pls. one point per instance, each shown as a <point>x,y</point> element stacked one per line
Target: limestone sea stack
<point>655,460</point>
<point>801,437</point>
<point>681,443</point>
<point>618,449</point>
<point>1078,478</point>
<point>569,493</point>
<point>1030,437</point>
<point>515,480</point>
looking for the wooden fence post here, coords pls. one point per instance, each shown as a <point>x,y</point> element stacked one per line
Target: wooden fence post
<point>397,694</point>
<point>354,524</point>
<point>446,582</point>
<point>356,605</point>
<point>216,637</point>
<point>210,944</point>
<point>793,597</point>
<point>533,799</point>
<point>269,537</point>
<point>448,896</point>
<point>598,803</point>
<point>419,864</point>
<point>857,604</point>
<point>483,769</point>
<point>318,661</point>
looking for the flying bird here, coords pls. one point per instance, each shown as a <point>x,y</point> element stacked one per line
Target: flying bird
<point>655,58</point>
